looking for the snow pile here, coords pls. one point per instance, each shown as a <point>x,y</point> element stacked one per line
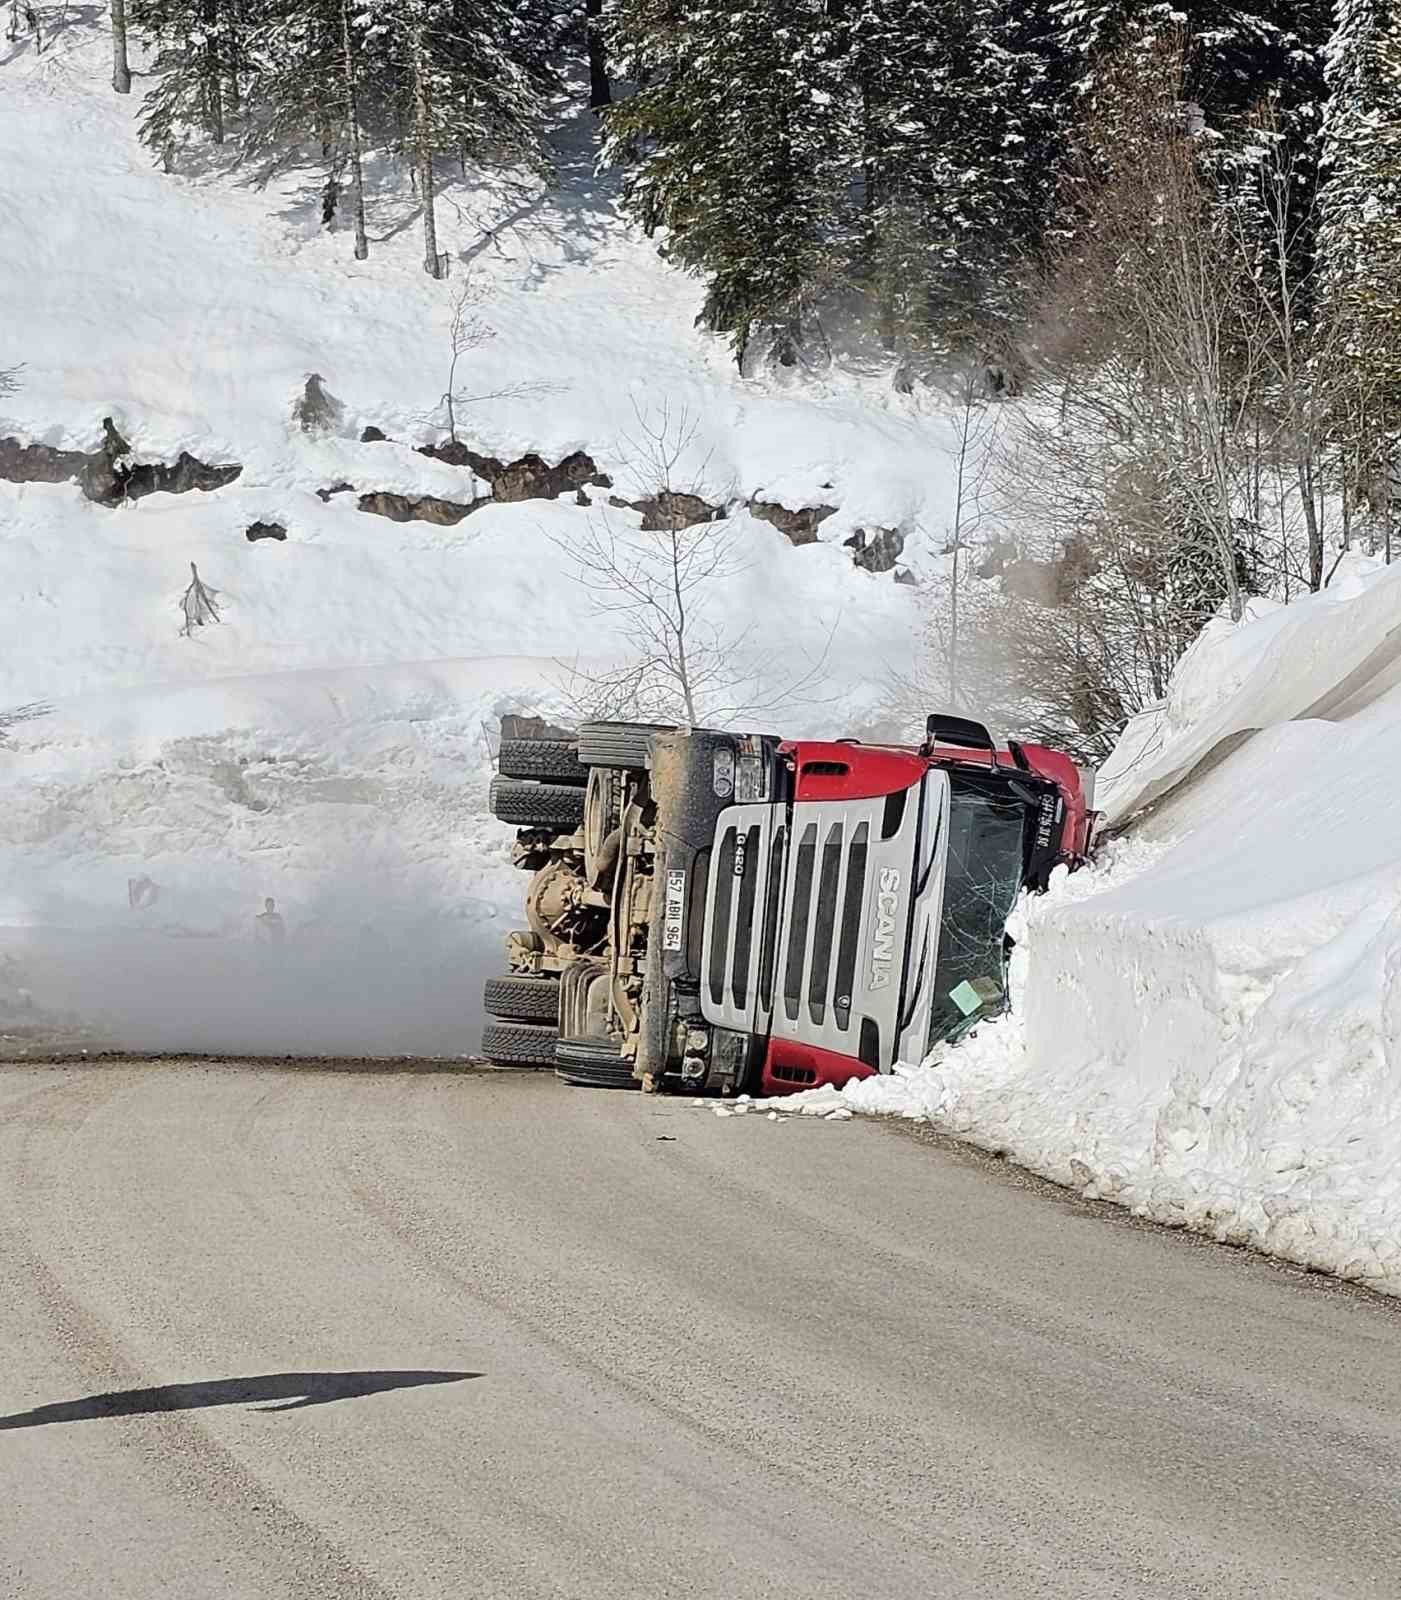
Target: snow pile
<point>1211,1025</point>
<point>1327,657</point>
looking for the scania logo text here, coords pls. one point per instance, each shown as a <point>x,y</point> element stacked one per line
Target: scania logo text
<point>883,934</point>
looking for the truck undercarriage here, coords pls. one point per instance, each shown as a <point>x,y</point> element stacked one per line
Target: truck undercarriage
<point>712,912</point>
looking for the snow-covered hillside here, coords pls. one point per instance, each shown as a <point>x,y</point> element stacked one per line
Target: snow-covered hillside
<point>1210,1029</point>
<point>323,742</point>
<point>191,309</point>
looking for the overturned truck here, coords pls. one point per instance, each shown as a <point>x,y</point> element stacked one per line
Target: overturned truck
<point>714,912</point>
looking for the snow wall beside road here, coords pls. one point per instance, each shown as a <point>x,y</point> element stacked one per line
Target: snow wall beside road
<point>1210,1028</point>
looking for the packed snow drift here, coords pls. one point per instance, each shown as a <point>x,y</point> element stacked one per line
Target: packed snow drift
<point>1209,1022</point>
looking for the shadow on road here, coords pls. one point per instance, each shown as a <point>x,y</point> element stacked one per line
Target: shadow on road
<point>295,1389</point>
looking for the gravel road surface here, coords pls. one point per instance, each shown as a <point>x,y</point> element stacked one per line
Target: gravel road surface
<point>293,1333</point>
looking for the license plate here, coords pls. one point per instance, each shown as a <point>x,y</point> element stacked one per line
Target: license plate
<point>674,913</point>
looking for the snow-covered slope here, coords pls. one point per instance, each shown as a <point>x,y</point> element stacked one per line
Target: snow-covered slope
<point>322,743</point>
<point>191,310</point>
<point>1211,1024</point>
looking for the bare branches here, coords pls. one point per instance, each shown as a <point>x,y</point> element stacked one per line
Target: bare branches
<point>9,379</point>
<point>467,331</point>
<point>664,589</point>
<point>1178,451</point>
<point>976,425</point>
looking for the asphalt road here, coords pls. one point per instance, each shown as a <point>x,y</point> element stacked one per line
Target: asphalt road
<point>303,1334</point>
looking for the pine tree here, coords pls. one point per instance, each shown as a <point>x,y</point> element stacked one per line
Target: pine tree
<point>1360,240</point>
<point>199,43</point>
<point>738,142</point>
<point>465,76</point>
<point>1233,55</point>
<point>958,150</point>
<point>308,91</point>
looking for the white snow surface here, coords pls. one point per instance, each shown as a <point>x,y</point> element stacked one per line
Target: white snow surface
<point>1208,1027</point>
<point>326,741</point>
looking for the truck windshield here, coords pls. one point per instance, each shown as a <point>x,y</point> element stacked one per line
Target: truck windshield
<point>984,877</point>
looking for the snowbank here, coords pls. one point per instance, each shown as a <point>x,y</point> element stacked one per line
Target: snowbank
<point>1210,1030</point>
<point>1327,656</point>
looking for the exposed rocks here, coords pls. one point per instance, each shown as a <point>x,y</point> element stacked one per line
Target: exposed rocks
<point>187,473</point>
<point>799,527</point>
<point>878,551</point>
<point>316,409</point>
<point>421,508</point>
<point>529,478</point>
<point>108,475</point>
<point>904,576</point>
<point>671,510</point>
<point>38,463</point>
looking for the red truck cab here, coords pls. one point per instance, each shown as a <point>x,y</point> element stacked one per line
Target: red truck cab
<point>740,911</point>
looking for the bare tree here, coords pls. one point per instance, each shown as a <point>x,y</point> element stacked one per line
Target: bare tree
<point>976,425</point>
<point>9,379</point>
<point>468,331</point>
<point>662,587</point>
<point>1146,385</point>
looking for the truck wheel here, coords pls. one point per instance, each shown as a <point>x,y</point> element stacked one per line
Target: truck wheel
<point>555,760</point>
<point>602,813</point>
<point>519,1044</point>
<point>592,1064</point>
<point>618,744</point>
<point>557,806</point>
<point>520,998</point>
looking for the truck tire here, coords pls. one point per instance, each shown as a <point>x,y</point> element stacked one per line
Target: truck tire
<point>523,998</point>
<point>618,744</point>
<point>592,1064</point>
<point>554,760</point>
<point>520,1044</point>
<point>556,806</point>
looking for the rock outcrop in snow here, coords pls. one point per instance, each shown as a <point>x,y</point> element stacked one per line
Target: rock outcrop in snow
<point>110,474</point>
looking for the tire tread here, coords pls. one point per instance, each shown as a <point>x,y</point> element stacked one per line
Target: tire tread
<point>519,1044</point>
<point>516,998</point>
<point>527,804</point>
<point>554,760</point>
